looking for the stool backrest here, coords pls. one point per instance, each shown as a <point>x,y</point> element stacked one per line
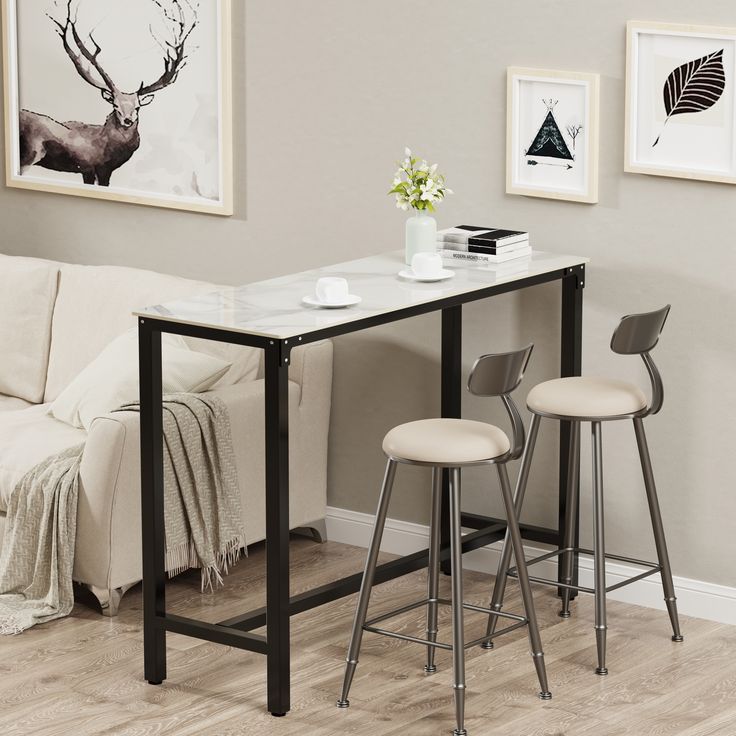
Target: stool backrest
<point>638,334</point>
<point>498,375</point>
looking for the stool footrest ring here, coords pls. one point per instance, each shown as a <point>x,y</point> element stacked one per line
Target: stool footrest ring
<point>653,567</point>
<point>371,625</point>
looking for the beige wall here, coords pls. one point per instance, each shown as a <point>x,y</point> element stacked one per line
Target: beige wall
<point>328,93</point>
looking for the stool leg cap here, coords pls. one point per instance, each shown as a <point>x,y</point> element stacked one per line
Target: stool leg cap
<point>679,637</point>
<point>460,732</point>
<point>429,670</point>
<point>564,614</point>
<point>487,645</point>
<point>343,703</point>
<point>545,696</point>
<point>602,671</point>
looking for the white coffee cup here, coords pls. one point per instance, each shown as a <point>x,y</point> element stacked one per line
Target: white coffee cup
<point>426,265</point>
<point>332,290</point>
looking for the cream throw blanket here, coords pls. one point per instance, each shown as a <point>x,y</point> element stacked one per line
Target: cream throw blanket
<point>202,514</point>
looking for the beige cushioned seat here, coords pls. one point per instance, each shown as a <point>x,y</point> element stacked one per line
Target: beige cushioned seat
<point>446,441</point>
<point>13,403</point>
<point>586,396</point>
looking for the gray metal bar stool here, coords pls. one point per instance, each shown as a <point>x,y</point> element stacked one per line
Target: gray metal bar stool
<point>453,444</point>
<point>597,400</point>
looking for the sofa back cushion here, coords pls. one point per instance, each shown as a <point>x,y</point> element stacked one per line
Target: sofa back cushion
<point>27,294</point>
<point>94,306</point>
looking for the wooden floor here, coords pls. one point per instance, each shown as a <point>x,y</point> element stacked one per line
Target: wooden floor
<point>82,675</point>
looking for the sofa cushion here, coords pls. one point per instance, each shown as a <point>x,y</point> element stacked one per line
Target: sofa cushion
<point>94,306</point>
<point>26,438</point>
<point>27,293</point>
<point>111,379</point>
<point>12,403</point>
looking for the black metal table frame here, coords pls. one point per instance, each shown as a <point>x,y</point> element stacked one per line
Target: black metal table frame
<point>275,616</point>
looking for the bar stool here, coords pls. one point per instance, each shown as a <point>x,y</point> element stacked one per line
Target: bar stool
<point>597,400</point>
<point>453,444</point>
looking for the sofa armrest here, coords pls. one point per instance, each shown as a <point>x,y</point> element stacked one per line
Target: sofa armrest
<point>108,550</point>
<point>311,368</point>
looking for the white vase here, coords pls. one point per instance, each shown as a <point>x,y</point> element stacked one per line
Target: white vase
<point>421,235</point>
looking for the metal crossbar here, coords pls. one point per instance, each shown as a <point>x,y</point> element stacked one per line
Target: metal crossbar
<point>654,568</point>
<point>370,625</point>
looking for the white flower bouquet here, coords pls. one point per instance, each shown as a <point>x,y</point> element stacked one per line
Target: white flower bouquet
<point>418,185</point>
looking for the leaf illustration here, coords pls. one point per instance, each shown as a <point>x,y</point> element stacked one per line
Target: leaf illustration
<point>695,86</point>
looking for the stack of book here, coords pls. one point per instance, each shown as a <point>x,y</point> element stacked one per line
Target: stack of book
<point>483,245</point>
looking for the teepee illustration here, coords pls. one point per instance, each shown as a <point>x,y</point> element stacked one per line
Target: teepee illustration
<point>549,141</point>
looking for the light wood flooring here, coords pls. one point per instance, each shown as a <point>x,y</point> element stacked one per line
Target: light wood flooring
<point>83,675</point>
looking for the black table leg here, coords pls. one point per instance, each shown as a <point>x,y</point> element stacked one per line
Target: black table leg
<point>452,368</point>
<point>277,529</point>
<point>571,352</point>
<point>152,500</point>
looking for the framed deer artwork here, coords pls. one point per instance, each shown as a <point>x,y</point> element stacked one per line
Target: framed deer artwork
<point>126,100</point>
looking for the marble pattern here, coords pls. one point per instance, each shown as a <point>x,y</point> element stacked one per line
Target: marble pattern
<point>274,308</point>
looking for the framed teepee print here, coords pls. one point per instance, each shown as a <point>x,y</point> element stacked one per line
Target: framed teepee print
<point>125,100</point>
<point>552,134</point>
<point>680,101</point>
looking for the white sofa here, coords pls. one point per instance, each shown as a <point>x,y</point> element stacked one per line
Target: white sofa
<point>55,318</point>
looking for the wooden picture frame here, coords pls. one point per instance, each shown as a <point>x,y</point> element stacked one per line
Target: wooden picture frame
<point>681,101</point>
<point>179,150</point>
<point>549,115</point>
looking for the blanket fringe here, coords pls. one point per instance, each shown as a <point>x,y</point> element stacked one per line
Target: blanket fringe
<point>184,556</point>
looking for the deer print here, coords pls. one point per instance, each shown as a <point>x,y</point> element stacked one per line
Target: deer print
<point>96,151</point>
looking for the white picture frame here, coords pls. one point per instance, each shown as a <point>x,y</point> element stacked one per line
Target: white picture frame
<point>552,134</point>
<point>681,101</point>
<point>184,157</point>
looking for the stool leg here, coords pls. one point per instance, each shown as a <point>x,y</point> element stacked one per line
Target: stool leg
<point>433,572</point>
<point>367,584</point>
<point>499,587</point>
<point>571,510</point>
<point>659,539</point>
<point>599,550</point>
<point>526,591</point>
<point>458,628</point>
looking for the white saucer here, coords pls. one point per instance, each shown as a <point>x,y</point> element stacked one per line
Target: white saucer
<point>351,301</point>
<point>442,275</point>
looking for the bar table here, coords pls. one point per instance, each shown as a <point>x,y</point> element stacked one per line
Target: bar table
<point>269,315</point>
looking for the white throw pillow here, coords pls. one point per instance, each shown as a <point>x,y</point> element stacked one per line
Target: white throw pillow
<point>111,379</point>
<point>27,295</point>
<point>245,361</point>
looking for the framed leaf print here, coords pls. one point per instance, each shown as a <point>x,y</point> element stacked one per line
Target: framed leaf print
<point>125,100</point>
<point>680,101</point>
<point>552,134</point>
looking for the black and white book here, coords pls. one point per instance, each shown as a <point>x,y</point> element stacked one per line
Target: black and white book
<point>494,237</point>
<point>460,233</point>
<point>490,249</point>
<point>497,250</point>
<point>499,239</point>
<point>475,257</point>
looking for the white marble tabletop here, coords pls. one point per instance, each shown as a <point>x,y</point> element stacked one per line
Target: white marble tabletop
<point>274,308</point>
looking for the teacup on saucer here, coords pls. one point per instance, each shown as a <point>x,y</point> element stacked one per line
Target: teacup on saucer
<point>332,290</point>
<point>426,265</point>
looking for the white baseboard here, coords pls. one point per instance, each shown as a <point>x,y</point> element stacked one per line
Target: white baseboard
<point>694,597</point>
